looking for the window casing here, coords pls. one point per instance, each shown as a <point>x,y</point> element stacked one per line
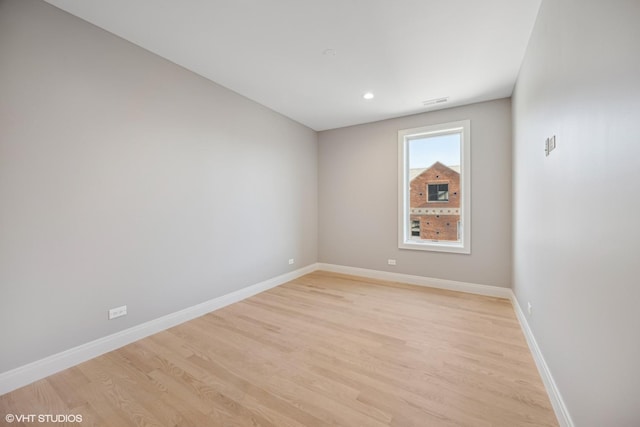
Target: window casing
<point>438,195</point>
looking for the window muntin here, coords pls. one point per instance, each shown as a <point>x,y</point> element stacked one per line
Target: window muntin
<point>434,188</point>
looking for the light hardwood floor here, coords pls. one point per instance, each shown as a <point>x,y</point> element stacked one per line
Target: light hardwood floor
<point>324,349</point>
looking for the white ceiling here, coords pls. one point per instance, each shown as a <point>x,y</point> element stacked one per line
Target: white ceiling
<point>272,51</point>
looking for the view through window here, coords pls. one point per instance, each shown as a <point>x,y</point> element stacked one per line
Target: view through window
<point>433,206</point>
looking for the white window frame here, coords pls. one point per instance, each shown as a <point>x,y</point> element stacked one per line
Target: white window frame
<point>463,127</point>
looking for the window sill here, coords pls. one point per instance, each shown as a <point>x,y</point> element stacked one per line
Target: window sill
<point>453,247</point>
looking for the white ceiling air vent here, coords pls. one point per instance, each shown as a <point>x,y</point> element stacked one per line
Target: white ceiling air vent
<point>435,101</point>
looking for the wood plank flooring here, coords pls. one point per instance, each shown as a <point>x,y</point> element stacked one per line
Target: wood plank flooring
<point>324,349</point>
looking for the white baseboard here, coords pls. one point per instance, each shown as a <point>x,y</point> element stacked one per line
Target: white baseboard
<point>452,285</point>
<point>37,370</point>
<point>559,407</point>
<point>23,375</point>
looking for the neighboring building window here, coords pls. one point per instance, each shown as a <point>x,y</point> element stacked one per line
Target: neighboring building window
<point>415,228</point>
<point>438,192</point>
<point>436,159</point>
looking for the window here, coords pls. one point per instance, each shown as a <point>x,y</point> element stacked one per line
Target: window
<point>415,227</point>
<point>438,192</point>
<point>434,197</point>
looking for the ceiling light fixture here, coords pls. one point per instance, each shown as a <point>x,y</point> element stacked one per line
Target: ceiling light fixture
<point>368,96</point>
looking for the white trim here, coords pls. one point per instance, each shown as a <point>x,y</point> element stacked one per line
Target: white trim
<point>39,369</point>
<point>23,375</point>
<point>452,285</point>
<point>559,407</point>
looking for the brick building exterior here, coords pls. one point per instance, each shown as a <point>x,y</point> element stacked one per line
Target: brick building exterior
<point>435,203</point>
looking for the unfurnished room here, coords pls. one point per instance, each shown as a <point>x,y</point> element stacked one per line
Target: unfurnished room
<point>320,213</point>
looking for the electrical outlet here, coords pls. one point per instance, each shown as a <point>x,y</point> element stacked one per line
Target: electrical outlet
<point>529,308</point>
<point>391,261</point>
<point>291,261</point>
<point>117,312</point>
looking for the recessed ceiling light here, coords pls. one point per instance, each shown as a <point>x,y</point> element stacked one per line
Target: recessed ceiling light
<point>368,96</point>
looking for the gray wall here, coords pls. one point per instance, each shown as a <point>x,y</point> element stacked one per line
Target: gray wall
<point>576,229</point>
<point>125,179</point>
<point>358,197</point>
